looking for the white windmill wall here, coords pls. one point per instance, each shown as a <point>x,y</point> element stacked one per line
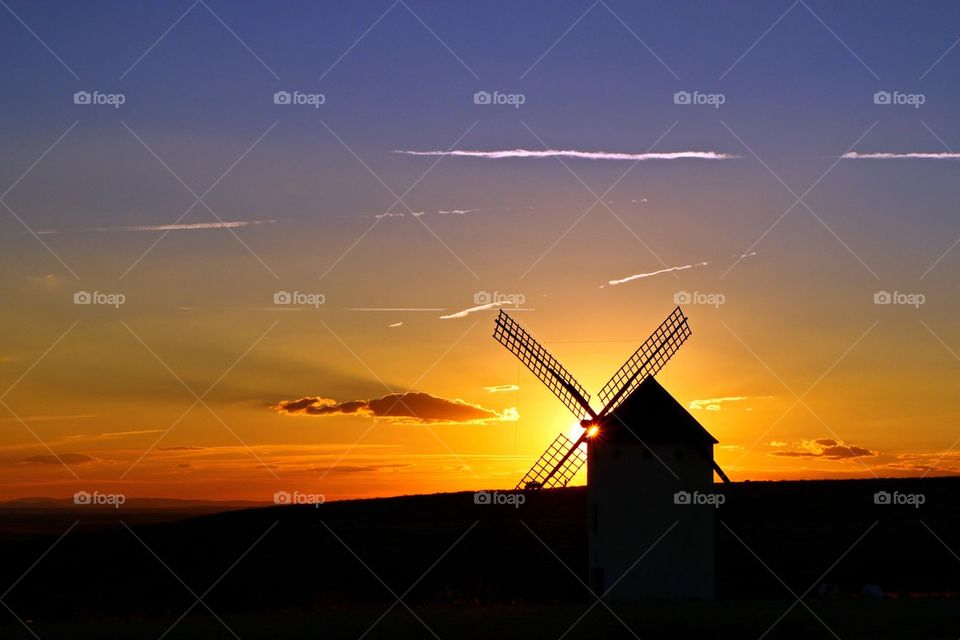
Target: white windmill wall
<point>631,505</point>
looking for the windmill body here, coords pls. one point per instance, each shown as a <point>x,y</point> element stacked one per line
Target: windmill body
<point>645,539</point>
<point>649,469</point>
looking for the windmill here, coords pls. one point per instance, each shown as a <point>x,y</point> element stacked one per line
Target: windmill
<point>649,464</point>
<point>563,458</point>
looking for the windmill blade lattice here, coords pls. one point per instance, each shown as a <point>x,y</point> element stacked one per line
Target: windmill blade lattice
<point>556,467</point>
<point>647,360</point>
<point>510,334</point>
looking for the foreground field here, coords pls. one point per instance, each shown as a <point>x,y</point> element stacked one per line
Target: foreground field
<point>469,570</point>
<point>850,619</point>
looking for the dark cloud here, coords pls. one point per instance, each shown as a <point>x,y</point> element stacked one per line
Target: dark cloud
<point>825,448</point>
<point>400,407</point>
<point>63,458</point>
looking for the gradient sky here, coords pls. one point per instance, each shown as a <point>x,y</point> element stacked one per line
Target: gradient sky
<point>813,378</point>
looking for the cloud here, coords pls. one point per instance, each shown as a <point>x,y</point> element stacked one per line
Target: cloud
<point>825,448</point>
<point>572,153</point>
<point>942,462</point>
<point>502,388</point>
<point>640,276</point>
<point>196,226</point>
<point>63,458</point>
<point>411,407</point>
<point>180,448</point>
<point>360,468</point>
<point>714,404</point>
<point>395,325</point>
<point>417,214</point>
<point>915,155</point>
<point>466,312</point>
<point>51,418</point>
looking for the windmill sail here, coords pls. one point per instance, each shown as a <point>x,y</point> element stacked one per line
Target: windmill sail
<point>646,361</point>
<point>510,334</point>
<point>556,467</point>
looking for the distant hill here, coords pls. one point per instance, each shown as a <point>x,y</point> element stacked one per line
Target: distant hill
<point>447,550</point>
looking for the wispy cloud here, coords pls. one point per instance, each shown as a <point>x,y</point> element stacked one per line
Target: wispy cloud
<point>367,468</point>
<point>914,155</point>
<point>650,274</point>
<point>466,312</point>
<point>69,458</point>
<point>573,153</point>
<point>195,226</point>
<point>417,214</point>
<point>502,388</point>
<point>714,404</point>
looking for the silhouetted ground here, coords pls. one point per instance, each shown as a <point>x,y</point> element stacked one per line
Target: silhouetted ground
<point>482,571</point>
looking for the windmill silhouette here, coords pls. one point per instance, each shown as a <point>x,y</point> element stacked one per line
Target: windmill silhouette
<point>563,458</point>
<point>648,461</point>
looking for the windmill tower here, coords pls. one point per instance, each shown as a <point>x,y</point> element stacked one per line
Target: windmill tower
<point>649,469</point>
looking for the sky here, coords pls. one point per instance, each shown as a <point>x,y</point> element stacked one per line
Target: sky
<point>251,248</point>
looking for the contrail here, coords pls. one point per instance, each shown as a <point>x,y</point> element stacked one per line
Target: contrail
<point>572,153</point>
<point>854,155</point>
<point>640,276</point>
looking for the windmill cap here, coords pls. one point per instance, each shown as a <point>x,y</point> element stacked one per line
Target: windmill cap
<point>654,416</point>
